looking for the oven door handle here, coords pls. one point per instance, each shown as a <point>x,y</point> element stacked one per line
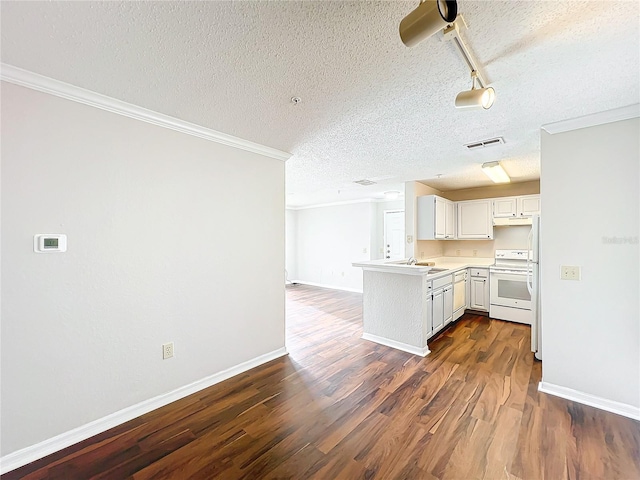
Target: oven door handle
<point>510,272</point>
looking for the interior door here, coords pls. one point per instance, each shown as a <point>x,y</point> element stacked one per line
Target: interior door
<point>394,235</point>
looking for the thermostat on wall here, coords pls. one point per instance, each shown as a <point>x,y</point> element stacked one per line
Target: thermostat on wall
<point>49,242</point>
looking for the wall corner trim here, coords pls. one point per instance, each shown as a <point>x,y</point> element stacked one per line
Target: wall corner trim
<point>35,81</point>
<point>591,400</point>
<point>29,454</point>
<point>405,347</point>
<point>594,119</point>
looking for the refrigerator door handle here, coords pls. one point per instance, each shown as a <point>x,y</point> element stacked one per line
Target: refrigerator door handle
<point>529,241</point>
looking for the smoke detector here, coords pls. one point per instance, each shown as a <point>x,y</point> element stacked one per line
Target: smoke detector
<point>485,143</point>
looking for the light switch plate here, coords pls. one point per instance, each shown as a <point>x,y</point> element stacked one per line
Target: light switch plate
<point>569,272</point>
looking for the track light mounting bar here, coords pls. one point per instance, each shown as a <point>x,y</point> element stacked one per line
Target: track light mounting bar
<point>452,33</point>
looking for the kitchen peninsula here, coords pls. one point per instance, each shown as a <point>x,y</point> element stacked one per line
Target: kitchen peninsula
<point>405,305</point>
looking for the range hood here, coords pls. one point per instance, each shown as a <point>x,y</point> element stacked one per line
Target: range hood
<point>508,221</point>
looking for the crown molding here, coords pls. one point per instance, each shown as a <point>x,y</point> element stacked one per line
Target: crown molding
<point>331,204</point>
<point>25,78</point>
<point>594,119</point>
<point>344,202</point>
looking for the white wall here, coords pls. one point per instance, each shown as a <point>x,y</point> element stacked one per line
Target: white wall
<point>329,239</point>
<point>591,328</point>
<point>161,230</point>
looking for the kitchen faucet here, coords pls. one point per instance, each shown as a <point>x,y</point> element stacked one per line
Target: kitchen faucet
<point>412,261</point>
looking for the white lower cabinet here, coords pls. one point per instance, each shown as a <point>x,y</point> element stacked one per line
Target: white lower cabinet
<point>442,302</point>
<point>428,326</point>
<point>438,310</point>
<point>479,289</point>
<point>448,304</point>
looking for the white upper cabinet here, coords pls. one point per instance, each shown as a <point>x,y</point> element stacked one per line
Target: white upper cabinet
<point>523,206</point>
<point>449,219</point>
<point>436,218</point>
<point>505,207</point>
<point>475,220</point>
<point>528,205</point>
<point>440,218</point>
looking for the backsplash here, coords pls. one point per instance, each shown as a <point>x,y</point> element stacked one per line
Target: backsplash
<point>513,237</point>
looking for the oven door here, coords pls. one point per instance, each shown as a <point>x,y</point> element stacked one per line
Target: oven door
<point>509,289</point>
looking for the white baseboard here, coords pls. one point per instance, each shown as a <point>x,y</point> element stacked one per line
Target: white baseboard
<point>405,347</point>
<point>323,285</point>
<point>591,400</point>
<point>29,454</point>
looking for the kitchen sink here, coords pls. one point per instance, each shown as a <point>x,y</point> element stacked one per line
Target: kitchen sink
<point>436,270</point>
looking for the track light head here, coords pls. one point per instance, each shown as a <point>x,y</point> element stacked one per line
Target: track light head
<point>430,17</point>
<point>476,97</point>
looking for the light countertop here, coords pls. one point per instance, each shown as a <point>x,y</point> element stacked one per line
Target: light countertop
<point>451,264</point>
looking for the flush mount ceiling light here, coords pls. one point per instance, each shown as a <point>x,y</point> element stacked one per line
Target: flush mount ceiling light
<point>476,97</point>
<point>495,172</point>
<point>391,195</point>
<point>365,182</point>
<point>430,17</point>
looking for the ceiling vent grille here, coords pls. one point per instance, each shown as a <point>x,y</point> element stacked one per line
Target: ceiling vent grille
<point>485,143</point>
<point>364,182</point>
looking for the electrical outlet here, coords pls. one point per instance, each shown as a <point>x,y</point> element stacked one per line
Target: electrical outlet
<point>409,238</point>
<point>475,253</point>
<point>167,350</point>
<point>569,272</point>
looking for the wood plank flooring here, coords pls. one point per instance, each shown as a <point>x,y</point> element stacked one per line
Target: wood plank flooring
<point>339,407</point>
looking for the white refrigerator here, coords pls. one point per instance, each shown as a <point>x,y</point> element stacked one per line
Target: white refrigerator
<point>533,285</point>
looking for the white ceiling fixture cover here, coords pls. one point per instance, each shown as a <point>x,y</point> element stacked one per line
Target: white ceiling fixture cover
<point>372,107</point>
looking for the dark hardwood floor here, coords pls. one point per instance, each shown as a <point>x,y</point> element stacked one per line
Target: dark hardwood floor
<point>339,407</point>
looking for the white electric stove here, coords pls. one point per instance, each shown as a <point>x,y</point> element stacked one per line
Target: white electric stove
<point>509,296</point>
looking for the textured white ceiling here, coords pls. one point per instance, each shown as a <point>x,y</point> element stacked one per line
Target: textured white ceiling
<point>371,107</point>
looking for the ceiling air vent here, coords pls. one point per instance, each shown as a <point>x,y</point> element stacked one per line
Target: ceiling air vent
<point>485,143</point>
<point>365,182</point>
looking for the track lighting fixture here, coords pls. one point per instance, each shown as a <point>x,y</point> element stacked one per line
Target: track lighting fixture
<point>430,17</point>
<point>476,97</point>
